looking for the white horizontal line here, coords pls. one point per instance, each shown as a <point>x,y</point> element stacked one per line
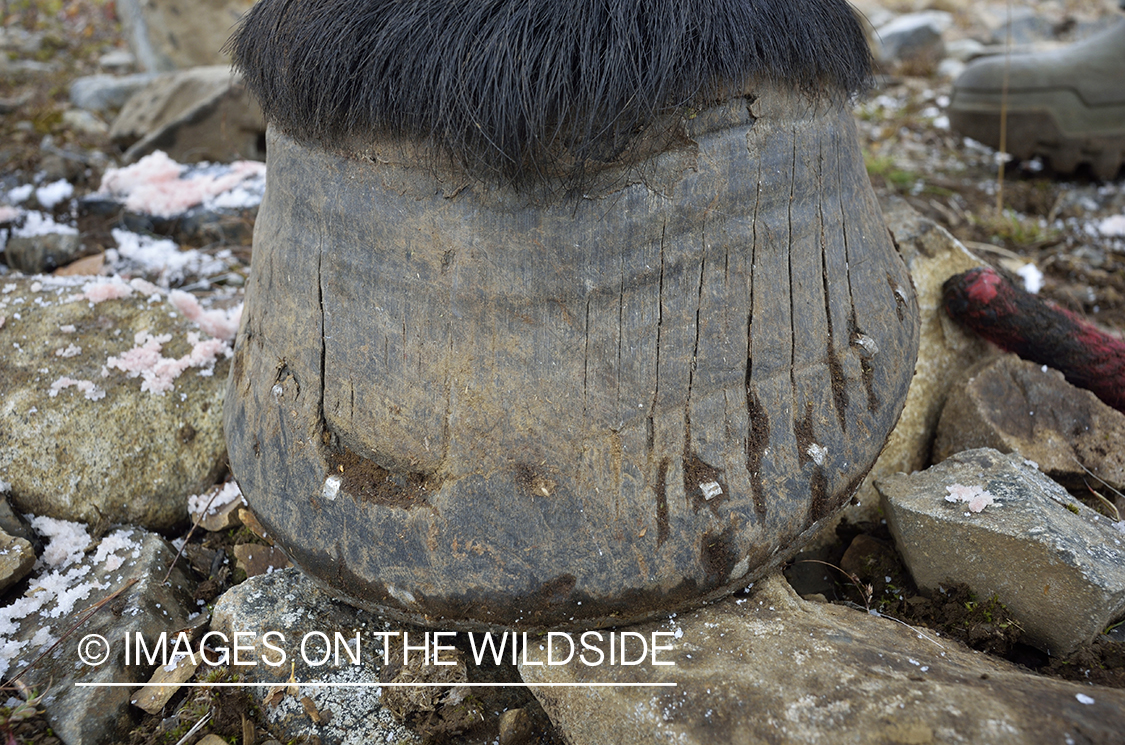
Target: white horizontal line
<point>314,684</point>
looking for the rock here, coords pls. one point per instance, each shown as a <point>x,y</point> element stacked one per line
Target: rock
<point>775,669</point>
<point>16,560</point>
<point>101,93</point>
<point>201,114</point>
<point>117,61</point>
<point>964,50</point>
<point>165,681</point>
<point>255,559</point>
<point>212,740</point>
<point>79,445</point>
<point>84,122</point>
<point>36,254</point>
<point>288,602</point>
<point>913,36</point>
<point>1015,406</point>
<point>10,522</point>
<point>1027,25</point>
<point>1011,532</point>
<point>217,509</point>
<point>59,596</point>
<point>516,727</point>
<point>175,34</point>
<point>932,255</point>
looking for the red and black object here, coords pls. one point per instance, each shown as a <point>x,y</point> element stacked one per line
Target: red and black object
<point>1017,321</point>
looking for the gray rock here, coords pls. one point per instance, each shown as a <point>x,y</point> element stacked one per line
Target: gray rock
<point>288,602</point>
<point>964,50</point>
<point>16,559</point>
<point>932,255</point>
<point>59,596</point>
<point>1057,565</point>
<point>1027,25</point>
<point>201,114</point>
<point>117,61</point>
<point>10,522</point>
<point>913,35</point>
<point>1016,406</point>
<point>776,669</point>
<point>79,445</point>
<point>107,92</point>
<point>175,34</point>
<point>36,254</point>
<point>84,122</point>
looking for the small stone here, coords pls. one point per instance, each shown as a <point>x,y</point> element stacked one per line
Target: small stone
<point>515,727</point>
<point>84,122</point>
<point>16,559</point>
<point>255,559</point>
<point>212,740</point>
<point>775,668</point>
<point>164,683</point>
<point>100,93</point>
<point>1053,562</point>
<point>36,254</point>
<point>913,35</point>
<point>117,61</point>
<point>1016,406</point>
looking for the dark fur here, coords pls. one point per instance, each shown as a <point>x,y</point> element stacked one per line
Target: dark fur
<point>512,88</point>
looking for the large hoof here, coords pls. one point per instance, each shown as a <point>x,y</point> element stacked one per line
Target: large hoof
<point>467,409</point>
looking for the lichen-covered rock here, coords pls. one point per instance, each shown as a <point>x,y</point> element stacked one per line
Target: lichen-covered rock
<point>772,668</point>
<point>109,410</point>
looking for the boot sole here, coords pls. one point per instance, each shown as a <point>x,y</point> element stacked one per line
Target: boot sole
<point>1090,135</point>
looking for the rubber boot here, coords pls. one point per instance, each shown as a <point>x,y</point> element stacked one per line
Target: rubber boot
<point>1066,105</point>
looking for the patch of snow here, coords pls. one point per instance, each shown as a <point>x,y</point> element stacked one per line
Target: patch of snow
<point>159,372</point>
<point>66,543</point>
<point>976,497</point>
<point>116,541</point>
<point>1083,698</point>
<point>1032,278</point>
<point>222,496</point>
<point>222,324</point>
<point>20,193</point>
<point>157,185</point>
<point>50,195</point>
<point>109,289</point>
<point>160,257</point>
<point>1113,227</point>
<point>37,223</point>
<point>88,388</point>
<point>70,351</point>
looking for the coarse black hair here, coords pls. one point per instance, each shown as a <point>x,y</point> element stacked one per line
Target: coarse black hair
<point>513,88</point>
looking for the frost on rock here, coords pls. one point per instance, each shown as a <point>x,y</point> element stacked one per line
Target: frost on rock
<point>976,497</point>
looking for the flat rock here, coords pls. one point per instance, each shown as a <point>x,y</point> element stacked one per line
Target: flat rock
<point>289,603</point>
<point>81,445</point>
<point>58,596</point>
<point>1015,406</point>
<point>101,93</point>
<point>932,255</point>
<point>255,559</point>
<point>174,34</point>
<point>201,114</point>
<point>16,559</point>
<point>995,523</point>
<point>775,669</point>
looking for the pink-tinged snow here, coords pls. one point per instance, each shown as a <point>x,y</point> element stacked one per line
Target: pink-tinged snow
<point>9,214</point>
<point>218,497</point>
<point>50,195</point>
<point>108,289</point>
<point>976,497</point>
<point>87,387</point>
<point>153,185</point>
<point>222,324</point>
<point>159,372</point>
